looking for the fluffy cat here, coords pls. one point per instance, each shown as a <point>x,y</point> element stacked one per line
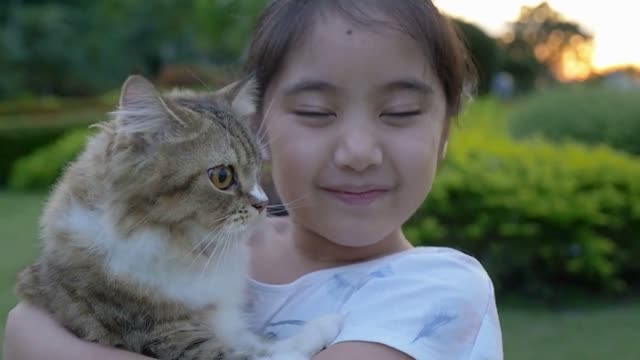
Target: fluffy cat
<point>144,237</point>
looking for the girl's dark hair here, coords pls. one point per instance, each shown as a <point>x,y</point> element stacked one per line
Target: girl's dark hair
<point>285,22</point>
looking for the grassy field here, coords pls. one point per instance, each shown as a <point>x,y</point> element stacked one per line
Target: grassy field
<point>585,333</point>
<point>19,223</point>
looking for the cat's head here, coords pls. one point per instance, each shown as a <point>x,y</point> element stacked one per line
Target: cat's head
<point>184,159</point>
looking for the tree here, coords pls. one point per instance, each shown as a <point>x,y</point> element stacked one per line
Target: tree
<point>542,34</point>
<point>483,49</point>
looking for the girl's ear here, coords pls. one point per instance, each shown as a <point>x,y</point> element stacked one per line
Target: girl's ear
<point>444,140</point>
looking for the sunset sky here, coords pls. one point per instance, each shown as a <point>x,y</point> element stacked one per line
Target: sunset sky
<point>615,24</point>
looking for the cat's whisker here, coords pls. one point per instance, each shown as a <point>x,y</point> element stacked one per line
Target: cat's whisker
<point>208,234</point>
<point>295,201</point>
<point>291,203</point>
<point>299,206</point>
<point>214,239</point>
<point>223,253</point>
<point>195,247</point>
<point>218,241</point>
<point>140,222</point>
<point>262,123</point>
<point>205,238</point>
<point>197,78</point>
<point>283,211</point>
<point>221,246</point>
<point>211,239</point>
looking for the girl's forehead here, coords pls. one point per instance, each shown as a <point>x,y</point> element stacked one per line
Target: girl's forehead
<point>338,50</point>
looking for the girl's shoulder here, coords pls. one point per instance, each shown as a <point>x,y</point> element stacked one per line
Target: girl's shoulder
<point>428,302</point>
<point>438,261</point>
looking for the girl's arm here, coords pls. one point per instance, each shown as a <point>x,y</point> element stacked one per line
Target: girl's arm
<point>31,334</point>
<point>361,350</point>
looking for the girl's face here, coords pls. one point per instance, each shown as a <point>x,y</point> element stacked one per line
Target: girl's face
<point>355,120</point>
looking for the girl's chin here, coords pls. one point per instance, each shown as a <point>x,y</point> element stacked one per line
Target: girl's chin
<point>356,234</point>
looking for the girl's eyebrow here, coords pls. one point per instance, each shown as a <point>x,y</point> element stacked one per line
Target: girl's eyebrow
<point>315,85</point>
<point>408,84</point>
<point>309,85</point>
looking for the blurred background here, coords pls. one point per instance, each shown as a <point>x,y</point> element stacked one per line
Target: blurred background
<point>541,182</point>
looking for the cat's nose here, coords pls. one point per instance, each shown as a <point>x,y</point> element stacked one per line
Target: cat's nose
<point>258,199</point>
<point>259,205</point>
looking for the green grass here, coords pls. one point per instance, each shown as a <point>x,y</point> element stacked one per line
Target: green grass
<point>19,215</point>
<point>529,333</point>
<point>585,333</point>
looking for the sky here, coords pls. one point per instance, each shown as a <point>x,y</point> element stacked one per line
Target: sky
<point>614,24</point>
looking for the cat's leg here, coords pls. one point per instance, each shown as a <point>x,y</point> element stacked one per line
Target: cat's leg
<point>313,338</point>
<point>230,326</point>
<point>190,340</point>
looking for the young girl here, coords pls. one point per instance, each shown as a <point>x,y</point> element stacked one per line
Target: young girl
<point>356,99</point>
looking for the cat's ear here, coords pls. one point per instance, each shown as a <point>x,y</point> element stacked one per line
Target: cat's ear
<point>141,110</point>
<point>242,95</point>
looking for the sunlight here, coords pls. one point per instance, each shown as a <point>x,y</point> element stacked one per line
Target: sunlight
<point>613,25</point>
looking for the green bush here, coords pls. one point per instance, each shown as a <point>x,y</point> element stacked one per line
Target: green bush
<point>50,105</point>
<point>40,169</point>
<point>21,134</point>
<point>541,217</point>
<point>593,115</point>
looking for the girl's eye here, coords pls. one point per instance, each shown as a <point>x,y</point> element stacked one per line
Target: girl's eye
<point>313,114</point>
<point>403,113</point>
<point>315,118</point>
<point>222,177</point>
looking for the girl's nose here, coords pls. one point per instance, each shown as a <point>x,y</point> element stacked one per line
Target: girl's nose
<point>358,150</point>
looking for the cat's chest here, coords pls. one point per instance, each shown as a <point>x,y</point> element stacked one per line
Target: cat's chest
<point>146,259</point>
<point>195,285</point>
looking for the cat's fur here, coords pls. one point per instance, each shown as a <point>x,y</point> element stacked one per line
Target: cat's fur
<point>141,251</point>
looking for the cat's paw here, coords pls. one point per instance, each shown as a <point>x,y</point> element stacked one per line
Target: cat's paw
<point>315,336</point>
<point>326,327</point>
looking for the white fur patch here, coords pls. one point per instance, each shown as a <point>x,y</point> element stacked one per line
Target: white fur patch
<point>145,258</point>
<point>258,194</point>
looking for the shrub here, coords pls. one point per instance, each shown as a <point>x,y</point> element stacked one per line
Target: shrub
<point>21,134</point>
<point>40,169</point>
<point>541,217</point>
<point>593,115</point>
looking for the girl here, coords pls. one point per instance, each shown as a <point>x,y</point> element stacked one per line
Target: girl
<point>356,99</point>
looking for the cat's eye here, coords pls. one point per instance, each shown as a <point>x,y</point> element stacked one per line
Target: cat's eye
<point>222,177</point>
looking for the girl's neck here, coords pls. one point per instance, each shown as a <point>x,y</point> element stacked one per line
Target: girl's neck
<point>283,251</point>
<point>320,252</point>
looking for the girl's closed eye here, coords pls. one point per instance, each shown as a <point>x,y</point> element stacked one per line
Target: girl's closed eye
<point>402,116</point>
<point>314,113</point>
<point>314,116</point>
<point>402,113</point>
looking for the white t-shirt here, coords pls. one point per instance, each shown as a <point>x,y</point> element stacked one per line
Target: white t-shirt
<point>431,303</point>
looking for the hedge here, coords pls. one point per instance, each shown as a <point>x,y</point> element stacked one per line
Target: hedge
<point>541,217</point>
<point>21,135</point>
<point>40,169</point>
<point>589,114</point>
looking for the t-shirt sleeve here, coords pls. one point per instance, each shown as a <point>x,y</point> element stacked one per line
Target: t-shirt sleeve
<point>430,305</point>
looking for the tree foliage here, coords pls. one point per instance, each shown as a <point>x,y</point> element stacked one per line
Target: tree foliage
<point>543,35</point>
<point>80,47</point>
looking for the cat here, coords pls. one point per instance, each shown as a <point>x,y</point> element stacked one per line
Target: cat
<point>145,235</point>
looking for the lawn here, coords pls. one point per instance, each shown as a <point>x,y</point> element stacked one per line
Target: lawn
<point>585,333</point>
